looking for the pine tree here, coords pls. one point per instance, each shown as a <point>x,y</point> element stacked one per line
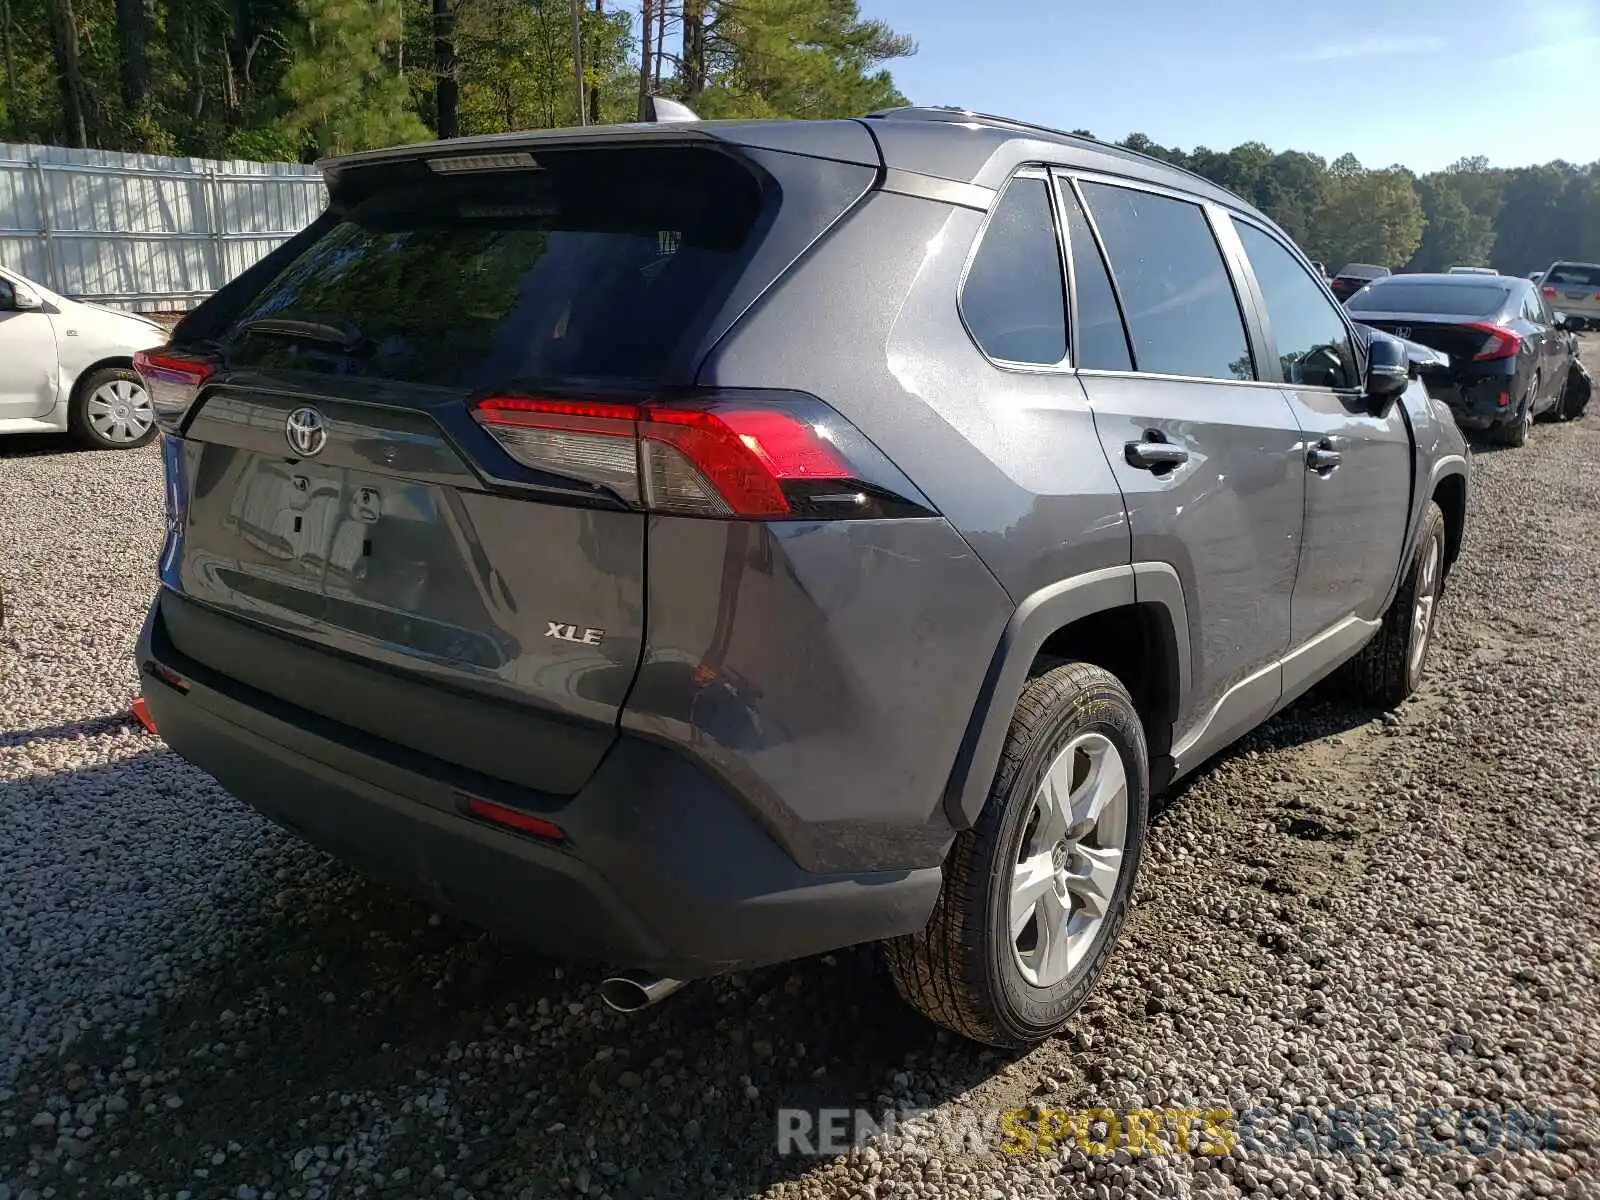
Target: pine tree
<point>345,87</point>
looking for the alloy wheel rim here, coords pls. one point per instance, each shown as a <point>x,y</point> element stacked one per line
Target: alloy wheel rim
<point>1423,606</point>
<point>1070,860</point>
<point>120,411</point>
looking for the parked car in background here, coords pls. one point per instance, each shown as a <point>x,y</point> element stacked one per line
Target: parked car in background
<point>1473,271</point>
<point>1509,354</point>
<point>66,366</point>
<point>1574,288</point>
<point>1354,277</point>
<point>566,585</point>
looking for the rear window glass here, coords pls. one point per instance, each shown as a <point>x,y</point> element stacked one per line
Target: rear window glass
<point>1452,299</point>
<point>1579,273</point>
<point>593,267</point>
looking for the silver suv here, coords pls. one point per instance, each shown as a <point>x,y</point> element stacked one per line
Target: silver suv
<point>698,546</point>
<point>1574,288</point>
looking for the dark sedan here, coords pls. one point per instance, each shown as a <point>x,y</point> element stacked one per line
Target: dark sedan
<point>1509,354</point>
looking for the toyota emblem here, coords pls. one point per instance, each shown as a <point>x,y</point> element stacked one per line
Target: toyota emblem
<point>306,433</point>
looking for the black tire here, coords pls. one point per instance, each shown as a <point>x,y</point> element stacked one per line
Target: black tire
<point>1515,431</point>
<point>1575,393</point>
<point>1389,667</point>
<point>78,417</point>
<point>961,971</point>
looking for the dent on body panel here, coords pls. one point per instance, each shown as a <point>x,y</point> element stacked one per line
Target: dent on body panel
<point>824,670</point>
<point>1228,520</point>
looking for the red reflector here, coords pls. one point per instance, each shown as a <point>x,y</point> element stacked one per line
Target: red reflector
<point>1501,343</point>
<point>1549,291</point>
<point>167,676</point>
<point>512,818</point>
<point>1504,400</point>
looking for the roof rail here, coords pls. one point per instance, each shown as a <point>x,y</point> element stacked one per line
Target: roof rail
<point>952,113</point>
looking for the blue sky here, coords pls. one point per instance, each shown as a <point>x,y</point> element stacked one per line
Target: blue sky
<point>1422,82</point>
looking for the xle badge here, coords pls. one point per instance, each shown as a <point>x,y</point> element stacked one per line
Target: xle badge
<point>571,633</point>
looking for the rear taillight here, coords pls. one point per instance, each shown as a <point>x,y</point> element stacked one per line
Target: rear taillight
<point>172,380</point>
<point>1500,343</point>
<point>711,455</point>
<point>1549,291</point>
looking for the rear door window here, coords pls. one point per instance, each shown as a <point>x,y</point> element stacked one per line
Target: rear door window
<point>594,266</point>
<point>1014,297</point>
<point>1182,313</point>
<point>1101,340</point>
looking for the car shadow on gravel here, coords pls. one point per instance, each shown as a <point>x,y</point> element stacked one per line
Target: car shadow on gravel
<point>351,1012</point>
<point>350,1015</point>
<point>35,445</point>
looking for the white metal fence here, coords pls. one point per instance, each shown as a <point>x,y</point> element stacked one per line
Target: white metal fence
<point>145,231</point>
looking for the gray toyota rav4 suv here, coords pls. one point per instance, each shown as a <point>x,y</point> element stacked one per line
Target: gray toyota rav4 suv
<point>699,545</point>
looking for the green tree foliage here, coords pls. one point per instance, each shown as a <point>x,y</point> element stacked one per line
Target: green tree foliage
<point>1516,220</point>
<point>1455,234</point>
<point>298,78</point>
<point>344,86</point>
<point>1372,217</point>
<point>275,79</point>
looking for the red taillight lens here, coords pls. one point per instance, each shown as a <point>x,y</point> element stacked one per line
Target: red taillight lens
<point>511,818</point>
<point>1500,343</point>
<point>1549,291</point>
<point>172,380</point>
<point>728,456</point>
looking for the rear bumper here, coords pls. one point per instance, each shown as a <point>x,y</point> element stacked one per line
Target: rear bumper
<point>1475,401</point>
<point>663,869</point>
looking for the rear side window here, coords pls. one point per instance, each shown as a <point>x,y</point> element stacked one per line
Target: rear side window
<point>1314,344</point>
<point>1102,343</point>
<point>593,267</point>
<point>1014,298</point>
<point>1182,313</point>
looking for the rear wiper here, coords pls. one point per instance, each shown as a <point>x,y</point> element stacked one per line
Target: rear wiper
<point>340,333</point>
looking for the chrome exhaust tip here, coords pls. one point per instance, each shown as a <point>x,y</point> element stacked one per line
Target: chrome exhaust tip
<point>636,990</point>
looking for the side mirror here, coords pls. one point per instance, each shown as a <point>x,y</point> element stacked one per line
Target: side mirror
<point>1561,320</point>
<point>1388,371</point>
<point>19,297</point>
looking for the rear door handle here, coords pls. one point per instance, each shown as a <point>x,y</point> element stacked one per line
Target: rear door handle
<point>1321,458</point>
<point>1152,455</point>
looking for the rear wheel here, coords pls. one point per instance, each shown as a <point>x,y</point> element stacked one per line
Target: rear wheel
<point>111,411</point>
<point>1035,894</point>
<point>1389,668</point>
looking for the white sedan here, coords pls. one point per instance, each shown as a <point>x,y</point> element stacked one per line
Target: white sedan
<point>66,366</point>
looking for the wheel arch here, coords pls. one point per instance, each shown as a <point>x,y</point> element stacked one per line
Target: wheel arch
<point>1450,493</point>
<point>1130,620</point>
<point>122,361</point>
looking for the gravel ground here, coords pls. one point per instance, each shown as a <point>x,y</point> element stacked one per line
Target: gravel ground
<point>1344,913</point>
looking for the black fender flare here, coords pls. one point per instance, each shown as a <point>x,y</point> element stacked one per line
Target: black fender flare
<point>1154,586</point>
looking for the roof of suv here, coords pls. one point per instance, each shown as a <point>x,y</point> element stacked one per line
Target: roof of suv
<point>946,143</point>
